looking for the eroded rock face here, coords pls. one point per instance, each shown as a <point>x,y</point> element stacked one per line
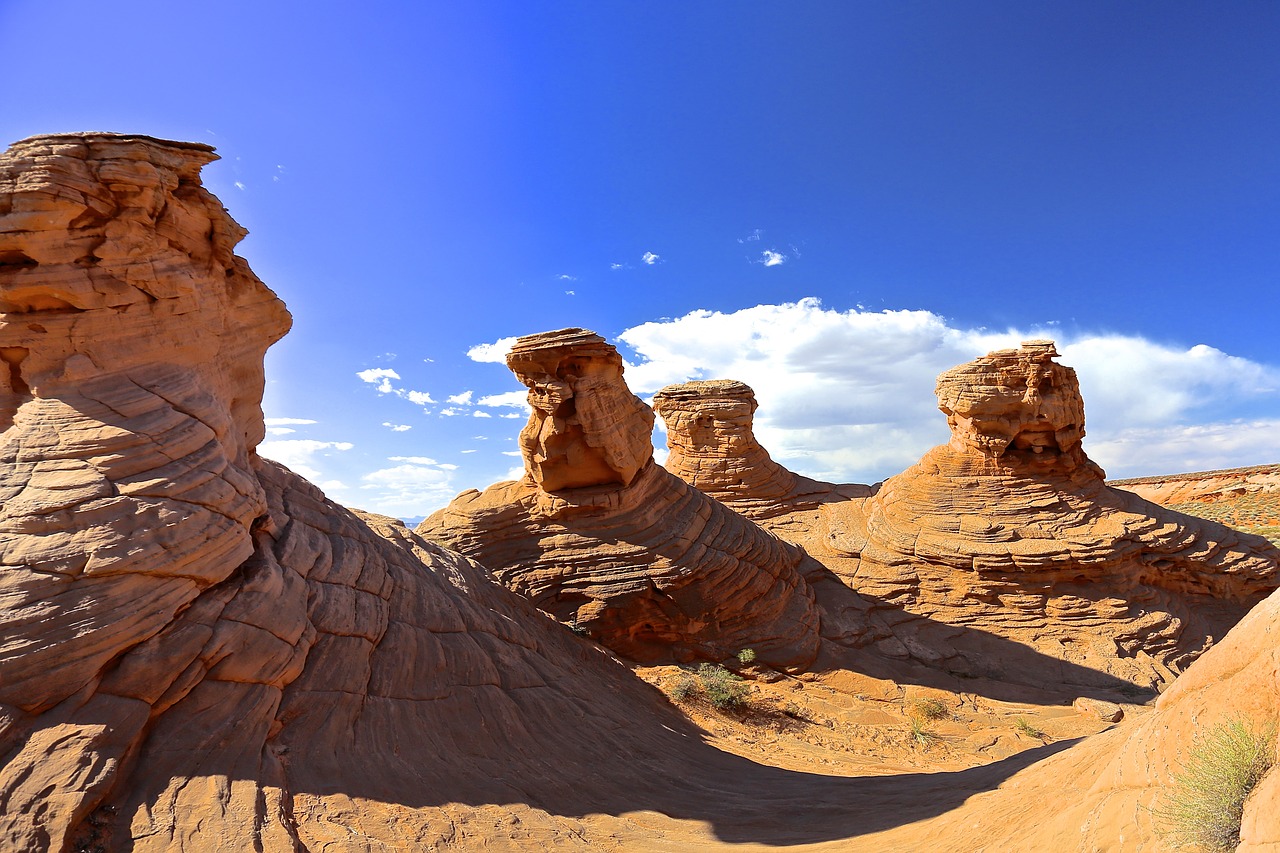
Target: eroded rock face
<point>714,449</point>
<point>602,537</point>
<point>200,652</point>
<point>1011,530</point>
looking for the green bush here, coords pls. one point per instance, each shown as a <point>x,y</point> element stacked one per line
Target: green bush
<point>746,656</point>
<point>724,690</point>
<point>928,709</point>
<point>921,734</point>
<point>1027,729</point>
<point>1204,802</point>
<point>684,688</point>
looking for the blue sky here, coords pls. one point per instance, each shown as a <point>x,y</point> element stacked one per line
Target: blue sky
<point>838,200</point>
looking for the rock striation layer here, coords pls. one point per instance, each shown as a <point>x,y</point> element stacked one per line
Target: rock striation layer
<point>1011,530</point>
<point>713,448</point>
<point>603,538</point>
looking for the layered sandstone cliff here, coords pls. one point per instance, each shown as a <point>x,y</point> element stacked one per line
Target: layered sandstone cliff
<point>1011,530</point>
<point>1247,499</point>
<point>601,537</point>
<point>713,448</point>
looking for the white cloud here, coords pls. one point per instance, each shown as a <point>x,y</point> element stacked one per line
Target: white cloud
<point>494,353</point>
<point>288,421</point>
<point>616,266</point>
<point>406,491</point>
<point>650,258</point>
<point>848,396</point>
<point>463,399</point>
<point>239,185</point>
<point>280,430</point>
<point>450,412</point>
<point>771,258</point>
<point>570,293</point>
<point>752,237</point>
<point>511,415</point>
<point>509,399</point>
<point>563,277</point>
<point>380,376</point>
<point>511,453</point>
<point>420,398</point>
<point>516,473</point>
<point>396,427</point>
<point>479,414</point>
<point>298,454</point>
<point>472,450</point>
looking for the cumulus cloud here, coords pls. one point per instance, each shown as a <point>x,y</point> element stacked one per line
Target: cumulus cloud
<point>463,399</point>
<point>509,399</point>
<point>494,353</point>
<point>650,258</point>
<point>450,412</point>
<point>406,491</point>
<point>479,414</point>
<point>298,454</point>
<point>771,258</point>
<point>420,398</point>
<point>511,415</point>
<point>396,427</point>
<point>379,376</point>
<point>848,395</point>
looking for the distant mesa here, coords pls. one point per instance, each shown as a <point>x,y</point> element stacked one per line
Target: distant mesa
<point>713,448</point>
<point>603,538</point>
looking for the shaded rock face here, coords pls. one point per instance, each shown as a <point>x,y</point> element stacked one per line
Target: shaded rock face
<point>714,449</point>
<point>600,536</point>
<point>1011,529</point>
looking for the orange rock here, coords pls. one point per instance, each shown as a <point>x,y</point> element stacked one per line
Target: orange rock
<point>1011,530</point>
<point>601,537</point>
<point>714,449</point>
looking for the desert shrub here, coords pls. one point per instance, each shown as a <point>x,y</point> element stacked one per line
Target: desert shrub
<point>1203,804</point>
<point>746,656</point>
<point>685,687</point>
<point>724,690</point>
<point>1025,727</point>
<point>921,734</point>
<point>928,709</point>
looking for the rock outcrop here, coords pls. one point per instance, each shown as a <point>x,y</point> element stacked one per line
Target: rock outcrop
<point>600,536</point>
<point>1011,530</point>
<point>713,448</point>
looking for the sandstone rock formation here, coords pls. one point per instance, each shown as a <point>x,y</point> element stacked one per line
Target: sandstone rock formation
<point>714,449</point>
<point>601,537</point>
<point>1011,530</point>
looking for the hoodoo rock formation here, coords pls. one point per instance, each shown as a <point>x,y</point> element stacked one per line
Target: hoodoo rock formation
<point>714,449</point>
<point>600,536</point>
<point>1011,529</point>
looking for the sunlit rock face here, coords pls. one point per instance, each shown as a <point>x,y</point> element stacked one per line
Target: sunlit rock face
<point>132,341</point>
<point>601,537</point>
<point>713,448</point>
<point>1010,529</point>
<point>587,428</point>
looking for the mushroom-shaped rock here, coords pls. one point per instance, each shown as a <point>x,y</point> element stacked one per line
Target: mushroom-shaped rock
<point>713,448</point>
<point>1010,529</point>
<point>601,537</point>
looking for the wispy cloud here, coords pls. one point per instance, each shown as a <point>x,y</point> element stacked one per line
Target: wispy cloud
<point>563,277</point>
<point>650,258</point>
<point>753,237</point>
<point>280,430</point>
<point>617,267</point>
<point>396,427</point>
<point>848,395</point>
<point>288,421</point>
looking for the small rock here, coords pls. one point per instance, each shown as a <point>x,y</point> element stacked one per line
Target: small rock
<point>1108,712</point>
